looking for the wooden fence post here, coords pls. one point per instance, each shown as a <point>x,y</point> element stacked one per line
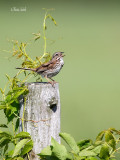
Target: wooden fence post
<point>42,115</point>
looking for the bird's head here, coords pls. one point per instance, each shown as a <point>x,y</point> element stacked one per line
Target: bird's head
<point>58,54</point>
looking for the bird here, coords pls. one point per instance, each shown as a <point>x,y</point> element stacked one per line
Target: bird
<point>51,68</point>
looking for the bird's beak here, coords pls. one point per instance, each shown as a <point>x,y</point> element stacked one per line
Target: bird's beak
<point>62,54</point>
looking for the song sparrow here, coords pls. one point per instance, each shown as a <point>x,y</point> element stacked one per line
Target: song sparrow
<point>51,68</point>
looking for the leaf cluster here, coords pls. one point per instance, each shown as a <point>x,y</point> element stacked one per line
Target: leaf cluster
<point>104,147</point>
<point>16,86</point>
<point>11,93</point>
<point>22,143</point>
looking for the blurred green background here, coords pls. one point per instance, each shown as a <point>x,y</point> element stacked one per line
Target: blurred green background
<point>89,34</point>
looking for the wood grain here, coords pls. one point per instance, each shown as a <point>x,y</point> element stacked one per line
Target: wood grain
<point>42,115</point>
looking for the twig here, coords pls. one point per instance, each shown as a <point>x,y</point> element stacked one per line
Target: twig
<point>43,120</point>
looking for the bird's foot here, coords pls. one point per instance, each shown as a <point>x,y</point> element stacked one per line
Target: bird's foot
<point>52,83</point>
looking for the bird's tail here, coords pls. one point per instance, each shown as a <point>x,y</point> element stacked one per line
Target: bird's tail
<point>30,69</point>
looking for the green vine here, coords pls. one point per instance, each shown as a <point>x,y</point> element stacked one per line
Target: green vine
<point>14,88</point>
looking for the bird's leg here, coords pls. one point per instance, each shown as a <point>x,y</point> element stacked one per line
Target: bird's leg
<point>51,82</point>
<point>52,79</point>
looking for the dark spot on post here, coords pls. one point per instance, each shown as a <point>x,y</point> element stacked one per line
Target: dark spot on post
<point>53,107</point>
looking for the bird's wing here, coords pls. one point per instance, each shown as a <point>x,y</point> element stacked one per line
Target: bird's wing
<point>45,66</point>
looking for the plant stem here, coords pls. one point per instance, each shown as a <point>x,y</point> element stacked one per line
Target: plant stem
<point>23,114</point>
<point>114,152</point>
<point>4,90</point>
<point>13,130</point>
<point>44,120</point>
<point>19,72</point>
<point>25,54</point>
<point>26,78</point>
<point>28,156</point>
<point>44,28</point>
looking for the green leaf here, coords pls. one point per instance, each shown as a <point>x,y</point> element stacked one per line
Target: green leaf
<point>10,153</point>
<point>100,136</point>
<point>84,144</point>
<point>2,107</point>
<point>58,150</point>
<point>70,141</point>
<point>76,156</point>
<point>3,126</point>
<point>52,19</point>
<point>7,111</point>
<point>37,36</point>
<point>109,138</point>
<point>92,158</point>
<point>4,141</point>
<point>114,130</point>
<point>13,109</point>
<point>15,52</point>
<point>5,134</point>
<point>86,153</point>
<point>17,124</point>
<point>14,106</point>
<point>10,117</point>
<point>46,152</point>
<point>18,88</point>
<point>19,93</point>
<point>8,77</point>
<point>8,98</point>
<point>6,148</point>
<point>19,146</point>
<point>97,149</point>
<point>23,135</point>
<point>104,152</point>
<point>112,143</point>
<point>1,131</point>
<point>98,143</point>
<point>1,91</point>
<point>18,158</point>
<point>28,146</point>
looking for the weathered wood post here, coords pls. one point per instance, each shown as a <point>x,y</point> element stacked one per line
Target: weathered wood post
<point>42,115</point>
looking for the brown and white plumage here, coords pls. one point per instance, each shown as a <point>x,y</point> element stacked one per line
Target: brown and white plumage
<point>51,68</point>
